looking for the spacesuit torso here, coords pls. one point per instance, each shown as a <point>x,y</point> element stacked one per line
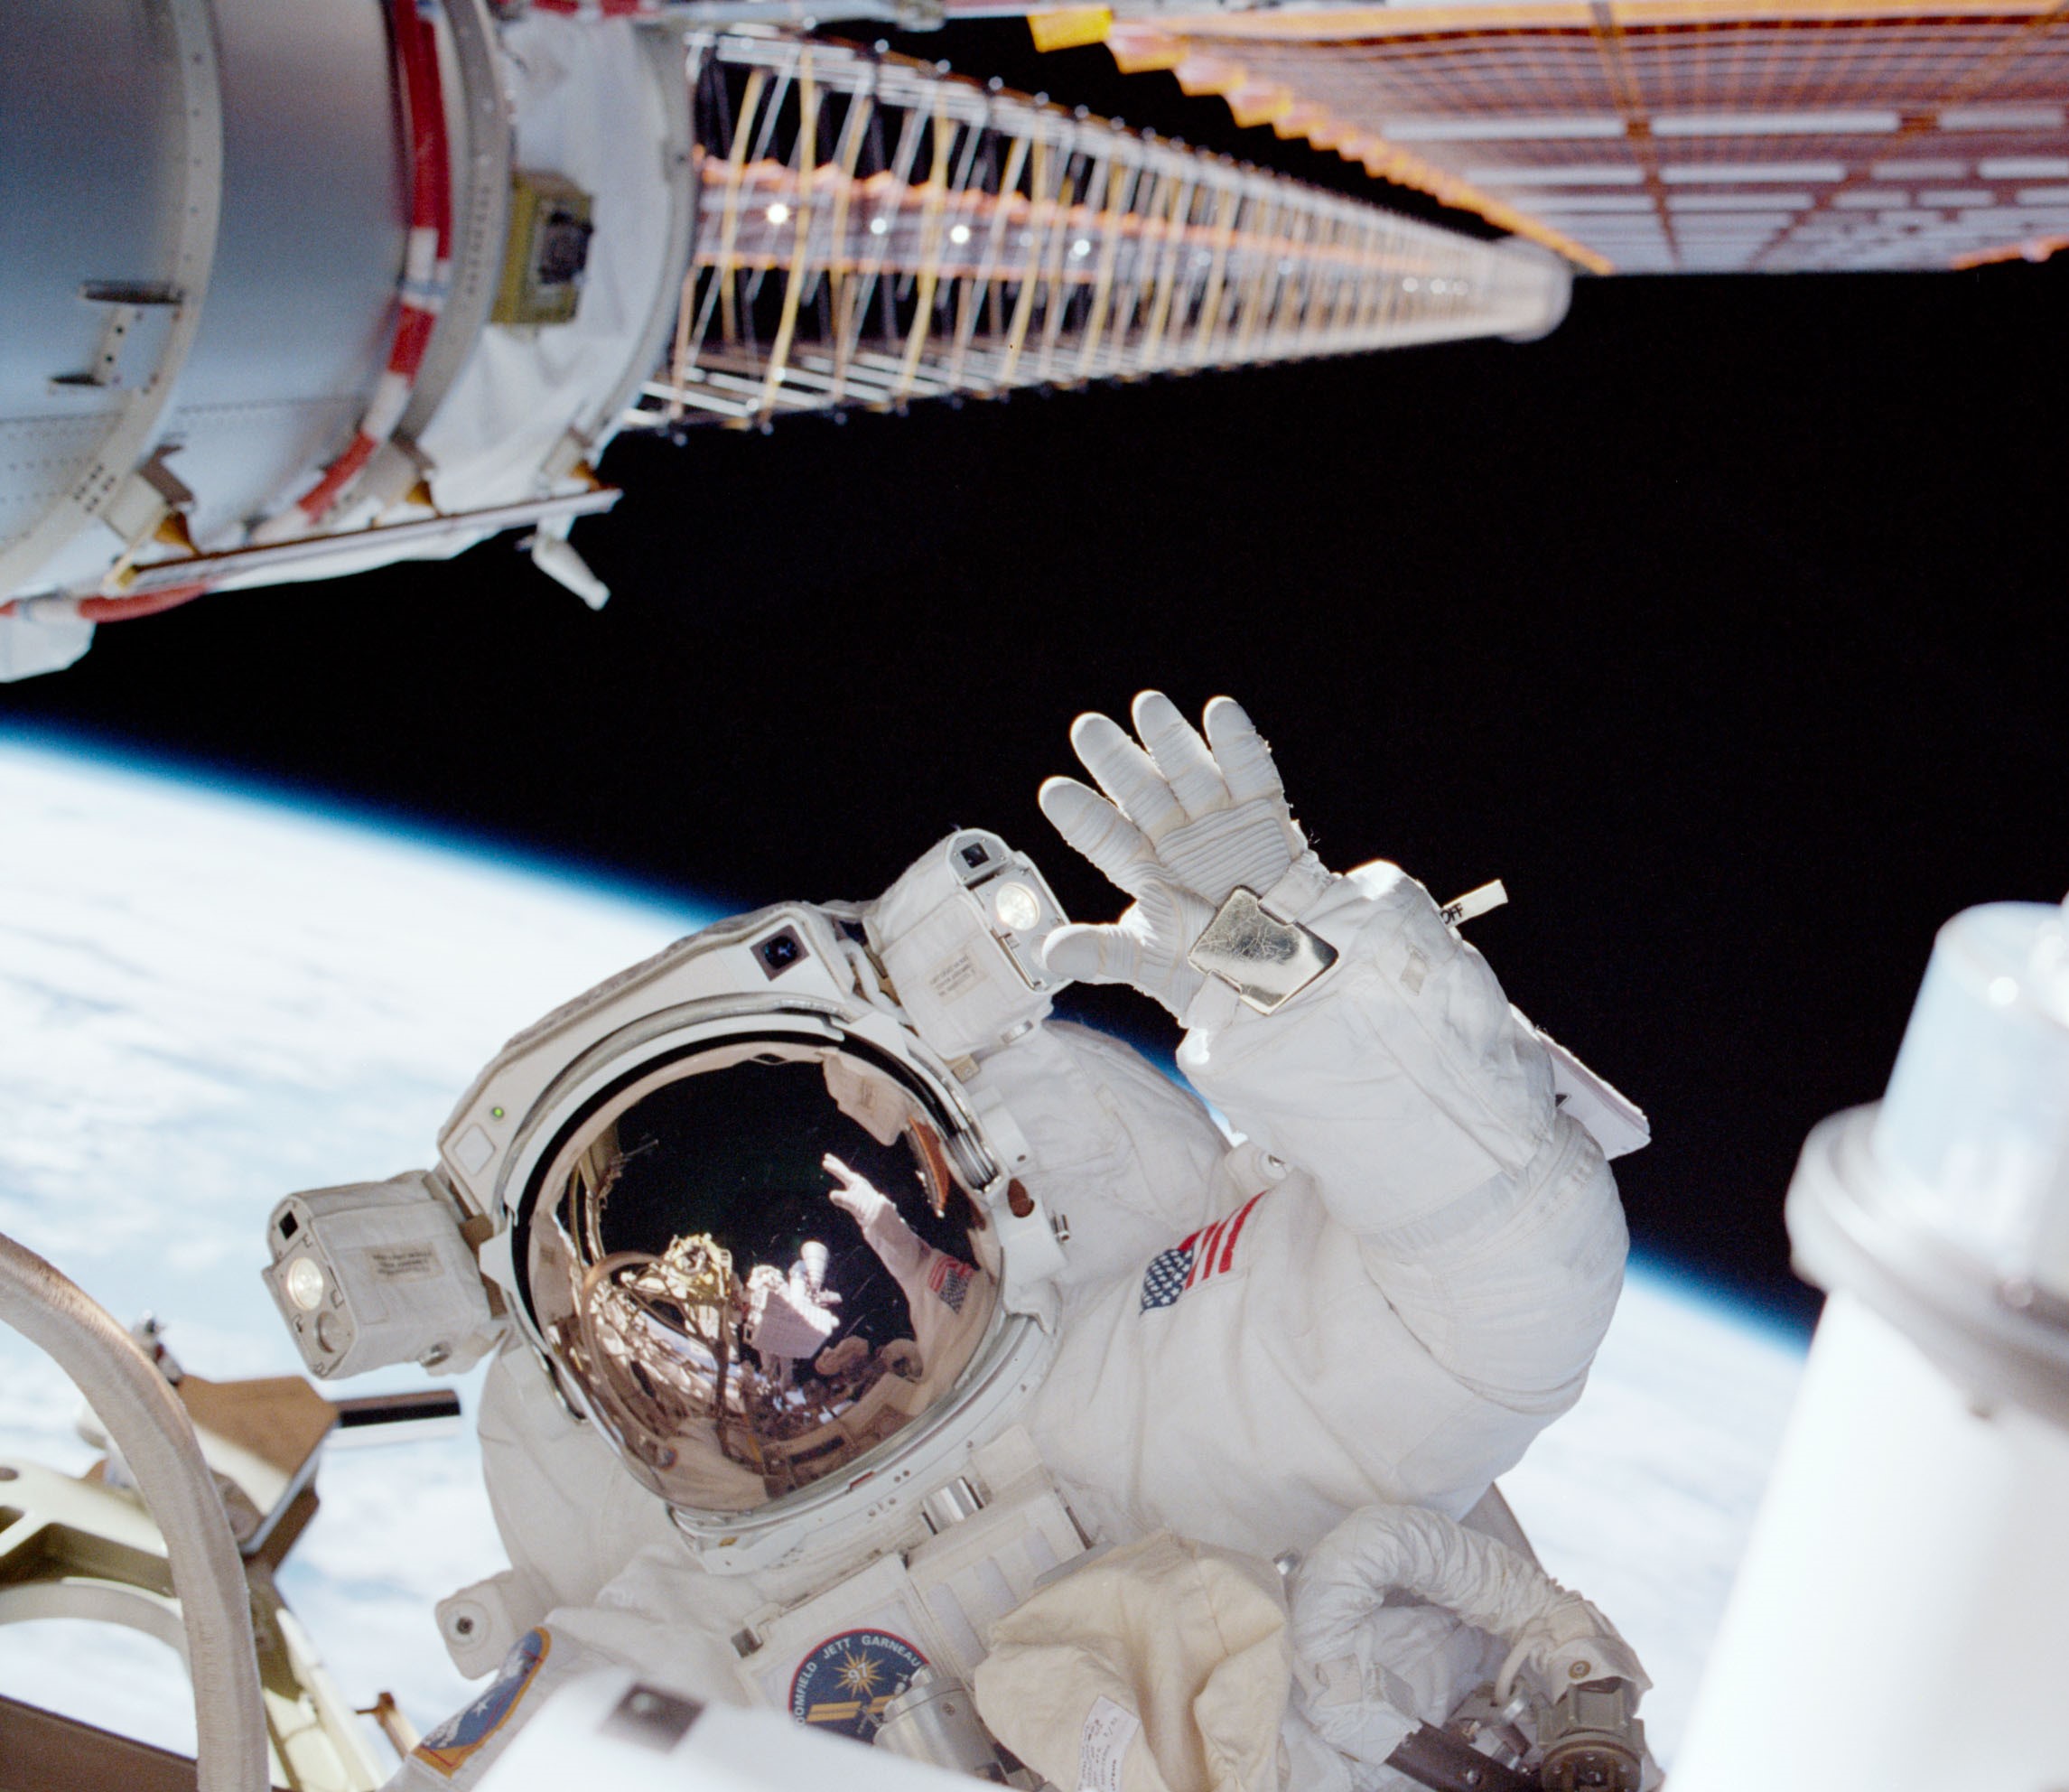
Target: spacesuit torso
<point>1382,1292</point>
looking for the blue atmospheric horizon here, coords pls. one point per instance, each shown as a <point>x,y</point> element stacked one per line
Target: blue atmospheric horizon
<point>1759,1309</point>
<point>390,824</point>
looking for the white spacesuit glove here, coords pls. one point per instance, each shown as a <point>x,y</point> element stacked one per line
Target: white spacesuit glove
<point>857,1196</point>
<point>1183,823</point>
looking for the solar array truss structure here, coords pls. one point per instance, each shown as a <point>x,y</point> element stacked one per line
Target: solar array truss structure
<point>1674,135</point>
<point>248,343</point>
<point>872,230</point>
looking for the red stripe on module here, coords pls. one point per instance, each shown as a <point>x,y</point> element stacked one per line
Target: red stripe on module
<point>412,337</point>
<point>318,498</point>
<point>409,51</point>
<point>442,150</point>
<point>145,603</point>
<point>431,207</point>
<point>1235,1232</point>
<point>431,198</point>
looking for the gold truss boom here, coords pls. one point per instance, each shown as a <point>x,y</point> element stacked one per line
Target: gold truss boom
<point>872,230</point>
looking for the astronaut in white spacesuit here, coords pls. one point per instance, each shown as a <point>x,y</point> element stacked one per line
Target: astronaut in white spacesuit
<point>1121,1325</point>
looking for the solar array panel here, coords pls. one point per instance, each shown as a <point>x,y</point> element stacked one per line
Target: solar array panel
<point>1675,135</point>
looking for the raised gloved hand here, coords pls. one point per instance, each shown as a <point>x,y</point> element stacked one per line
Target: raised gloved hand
<point>1184,822</point>
<point>857,1195</point>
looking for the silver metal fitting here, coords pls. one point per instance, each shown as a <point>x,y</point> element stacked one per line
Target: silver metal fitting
<point>950,1504</point>
<point>1265,960</point>
<point>1592,1737</point>
<point>936,1720</point>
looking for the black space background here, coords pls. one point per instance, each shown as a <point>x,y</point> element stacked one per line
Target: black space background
<point>1727,626</point>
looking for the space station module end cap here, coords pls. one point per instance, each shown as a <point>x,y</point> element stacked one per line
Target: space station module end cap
<point>1974,1128</point>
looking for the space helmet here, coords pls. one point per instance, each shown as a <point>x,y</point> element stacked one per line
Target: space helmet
<point>747,1206</point>
<point>741,1320</point>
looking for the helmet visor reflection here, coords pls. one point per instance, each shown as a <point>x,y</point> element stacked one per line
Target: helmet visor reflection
<point>756,1266</point>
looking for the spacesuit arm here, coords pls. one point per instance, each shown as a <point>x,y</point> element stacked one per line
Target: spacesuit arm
<point>1405,1066</point>
<point>1422,1106</point>
<point>898,1247</point>
<point>1397,1076</point>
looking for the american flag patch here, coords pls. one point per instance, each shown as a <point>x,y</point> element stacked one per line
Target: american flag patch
<point>950,1280</point>
<point>1206,1254</point>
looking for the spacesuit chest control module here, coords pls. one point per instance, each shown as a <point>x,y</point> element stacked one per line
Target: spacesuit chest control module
<point>848,1310</point>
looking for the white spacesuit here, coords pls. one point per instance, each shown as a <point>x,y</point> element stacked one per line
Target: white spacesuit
<point>1374,1297</point>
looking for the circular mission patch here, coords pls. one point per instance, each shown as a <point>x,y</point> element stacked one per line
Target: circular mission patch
<point>845,1682</point>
